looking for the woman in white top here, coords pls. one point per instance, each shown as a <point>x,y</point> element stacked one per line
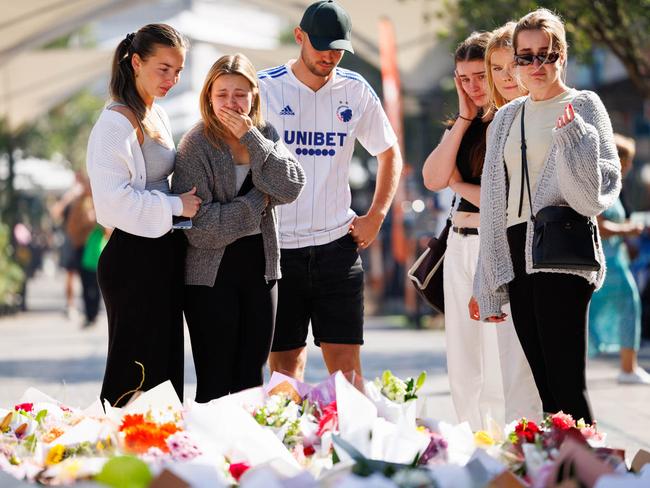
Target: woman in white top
<point>130,157</point>
<point>473,362</point>
<point>572,161</point>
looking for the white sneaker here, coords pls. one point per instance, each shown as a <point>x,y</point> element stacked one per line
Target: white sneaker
<point>637,377</point>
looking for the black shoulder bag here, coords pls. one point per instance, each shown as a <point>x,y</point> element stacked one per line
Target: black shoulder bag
<point>562,238</point>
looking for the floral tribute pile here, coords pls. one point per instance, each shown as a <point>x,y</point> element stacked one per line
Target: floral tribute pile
<point>343,432</point>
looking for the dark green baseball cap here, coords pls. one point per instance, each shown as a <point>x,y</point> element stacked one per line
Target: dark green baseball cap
<point>328,26</point>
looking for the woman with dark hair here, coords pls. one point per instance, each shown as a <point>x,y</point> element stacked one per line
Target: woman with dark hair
<point>473,360</point>
<point>130,156</point>
<point>557,146</point>
<point>242,171</point>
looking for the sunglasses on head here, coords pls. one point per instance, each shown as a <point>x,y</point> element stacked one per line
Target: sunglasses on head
<point>528,59</point>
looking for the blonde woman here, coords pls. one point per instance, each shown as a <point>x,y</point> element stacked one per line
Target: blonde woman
<point>572,161</point>
<point>241,171</point>
<point>520,393</point>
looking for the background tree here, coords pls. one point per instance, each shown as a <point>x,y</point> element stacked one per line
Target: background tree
<point>622,26</point>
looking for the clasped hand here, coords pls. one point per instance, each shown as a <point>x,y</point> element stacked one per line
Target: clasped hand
<point>364,229</point>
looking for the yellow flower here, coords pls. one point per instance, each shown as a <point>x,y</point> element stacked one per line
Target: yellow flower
<point>71,469</point>
<point>55,455</point>
<point>483,439</point>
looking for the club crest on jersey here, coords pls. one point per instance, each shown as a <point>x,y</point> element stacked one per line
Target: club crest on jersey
<point>344,113</point>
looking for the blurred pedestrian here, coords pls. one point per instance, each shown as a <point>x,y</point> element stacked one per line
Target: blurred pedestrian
<point>571,160</point>
<point>81,223</point>
<point>130,157</point>
<point>241,171</point>
<point>69,255</point>
<point>615,311</point>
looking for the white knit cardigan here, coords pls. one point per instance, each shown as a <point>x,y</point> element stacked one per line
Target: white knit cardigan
<point>582,170</point>
<point>117,173</point>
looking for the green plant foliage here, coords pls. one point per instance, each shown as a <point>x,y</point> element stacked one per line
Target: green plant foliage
<point>11,275</point>
<point>622,26</point>
<point>64,130</point>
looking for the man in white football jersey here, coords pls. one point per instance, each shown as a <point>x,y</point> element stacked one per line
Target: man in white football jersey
<point>320,110</point>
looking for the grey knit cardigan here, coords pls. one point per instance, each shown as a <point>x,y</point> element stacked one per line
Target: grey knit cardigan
<point>224,217</point>
<point>582,170</point>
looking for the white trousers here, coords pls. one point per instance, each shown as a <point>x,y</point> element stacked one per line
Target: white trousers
<point>489,376</point>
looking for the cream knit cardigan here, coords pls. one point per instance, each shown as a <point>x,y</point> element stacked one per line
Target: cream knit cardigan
<point>118,176</point>
<point>582,170</point>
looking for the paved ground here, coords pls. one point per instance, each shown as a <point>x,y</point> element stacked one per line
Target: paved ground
<point>43,349</point>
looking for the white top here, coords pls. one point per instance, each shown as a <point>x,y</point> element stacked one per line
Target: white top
<point>539,122</point>
<point>117,173</point>
<point>320,128</point>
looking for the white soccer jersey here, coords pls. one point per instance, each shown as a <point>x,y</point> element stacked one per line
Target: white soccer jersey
<point>320,129</point>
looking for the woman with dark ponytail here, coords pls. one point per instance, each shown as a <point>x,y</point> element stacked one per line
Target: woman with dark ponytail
<point>488,373</point>
<point>130,157</point>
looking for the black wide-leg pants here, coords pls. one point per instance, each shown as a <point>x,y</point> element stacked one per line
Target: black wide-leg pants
<point>231,323</point>
<point>550,313</point>
<point>142,282</point>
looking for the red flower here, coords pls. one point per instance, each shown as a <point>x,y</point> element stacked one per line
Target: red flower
<point>562,421</point>
<point>238,469</point>
<point>527,429</point>
<point>329,420</point>
<point>308,450</point>
<point>27,407</point>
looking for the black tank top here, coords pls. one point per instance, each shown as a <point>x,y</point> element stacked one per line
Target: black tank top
<point>472,147</point>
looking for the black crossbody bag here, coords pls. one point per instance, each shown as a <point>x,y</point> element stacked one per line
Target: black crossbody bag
<point>562,238</point>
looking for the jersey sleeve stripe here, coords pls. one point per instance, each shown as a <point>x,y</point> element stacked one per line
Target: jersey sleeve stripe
<point>351,75</point>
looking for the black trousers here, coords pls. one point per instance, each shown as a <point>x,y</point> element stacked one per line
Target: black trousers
<point>550,314</point>
<point>141,280</point>
<point>90,293</point>
<point>231,323</point>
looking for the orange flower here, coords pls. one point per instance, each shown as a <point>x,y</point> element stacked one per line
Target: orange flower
<point>140,435</point>
<point>131,420</point>
<point>52,434</point>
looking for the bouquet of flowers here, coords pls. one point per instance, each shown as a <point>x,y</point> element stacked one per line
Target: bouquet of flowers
<point>530,450</point>
<point>395,398</point>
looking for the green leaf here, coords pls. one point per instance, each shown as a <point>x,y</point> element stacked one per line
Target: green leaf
<point>30,442</point>
<point>421,379</point>
<point>41,415</point>
<point>386,377</point>
<point>125,472</point>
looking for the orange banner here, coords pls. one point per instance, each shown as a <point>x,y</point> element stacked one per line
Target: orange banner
<point>393,106</point>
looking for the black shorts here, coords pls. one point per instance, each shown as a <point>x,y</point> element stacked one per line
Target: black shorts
<point>324,285</point>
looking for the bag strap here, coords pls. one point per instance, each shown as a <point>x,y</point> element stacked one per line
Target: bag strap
<point>524,167</point>
<point>247,184</point>
<point>451,209</point>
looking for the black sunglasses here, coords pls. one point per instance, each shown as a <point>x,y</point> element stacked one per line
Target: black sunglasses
<point>528,59</point>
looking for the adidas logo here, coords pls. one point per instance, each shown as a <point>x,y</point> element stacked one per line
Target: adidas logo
<point>287,111</point>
